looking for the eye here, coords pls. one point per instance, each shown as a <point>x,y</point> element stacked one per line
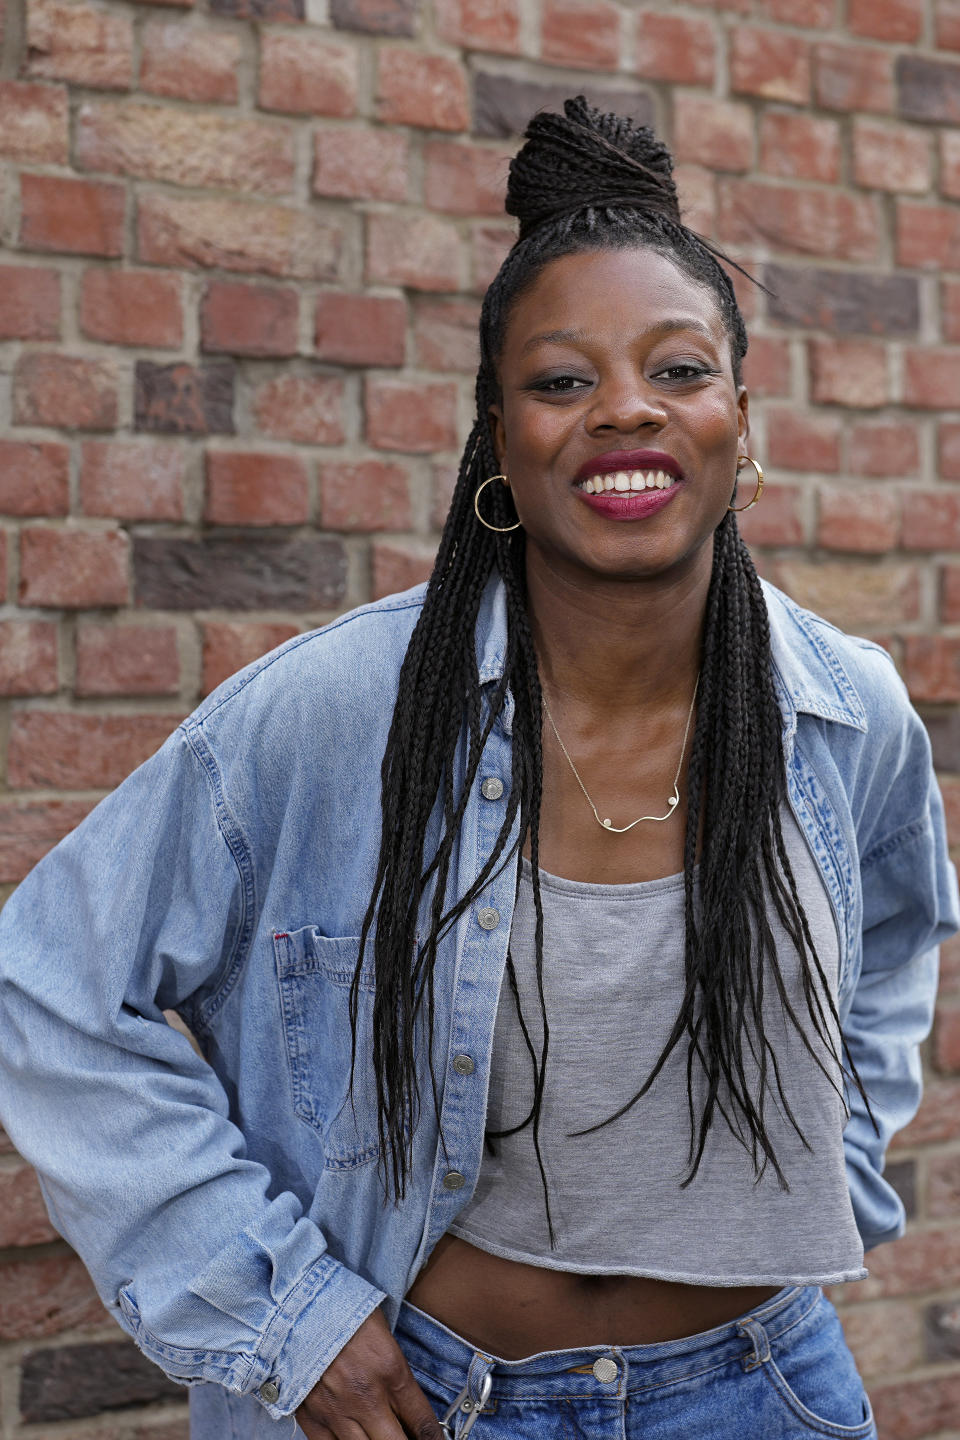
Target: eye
<point>686,370</point>
<point>559,385</point>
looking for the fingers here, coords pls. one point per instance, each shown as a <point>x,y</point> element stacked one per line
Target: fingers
<point>415,1411</point>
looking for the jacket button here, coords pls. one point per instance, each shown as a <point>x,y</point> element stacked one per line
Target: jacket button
<point>488,919</point>
<point>453,1180</point>
<point>492,788</point>
<point>463,1064</point>
<point>270,1392</point>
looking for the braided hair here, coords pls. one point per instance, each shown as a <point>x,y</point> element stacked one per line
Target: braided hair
<point>588,181</point>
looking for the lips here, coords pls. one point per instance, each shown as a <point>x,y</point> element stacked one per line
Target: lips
<point>629,460</point>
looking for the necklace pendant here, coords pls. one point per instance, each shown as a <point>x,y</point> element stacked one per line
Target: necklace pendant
<point>608,824</point>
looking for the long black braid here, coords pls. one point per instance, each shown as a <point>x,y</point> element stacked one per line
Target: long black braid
<point>586,181</point>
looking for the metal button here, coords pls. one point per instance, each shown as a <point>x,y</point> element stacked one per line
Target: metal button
<point>463,1064</point>
<point>488,919</point>
<point>492,788</point>
<point>270,1391</point>
<point>605,1369</point>
<point>453,1180</point>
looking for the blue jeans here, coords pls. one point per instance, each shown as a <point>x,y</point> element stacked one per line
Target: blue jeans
<point>781,1370</point>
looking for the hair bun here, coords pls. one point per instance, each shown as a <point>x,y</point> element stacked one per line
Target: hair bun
<point>585,158</point>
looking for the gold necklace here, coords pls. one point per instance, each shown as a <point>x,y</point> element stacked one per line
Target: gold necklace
<point>674,799</point>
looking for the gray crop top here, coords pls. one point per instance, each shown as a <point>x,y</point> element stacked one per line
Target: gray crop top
<point>613,984</point>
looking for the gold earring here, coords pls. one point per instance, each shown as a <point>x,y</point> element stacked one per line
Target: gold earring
<point>500,529</point>
<point>759,490</point>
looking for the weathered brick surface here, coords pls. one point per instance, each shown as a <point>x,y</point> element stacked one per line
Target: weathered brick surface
<point>81,1380</point>
<point>243,245</point>
<point>23,1215</point>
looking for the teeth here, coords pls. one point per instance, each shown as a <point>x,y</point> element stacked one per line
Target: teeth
<point>609,482</point>
<point>621,481</point>
<point>625,480</point>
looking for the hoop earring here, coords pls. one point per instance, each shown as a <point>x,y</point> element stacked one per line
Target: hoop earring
<point>759,490</point>
<point>500,529</point>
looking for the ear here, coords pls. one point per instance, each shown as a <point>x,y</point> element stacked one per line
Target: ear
<point>498,433</point>
<point>743,418</point>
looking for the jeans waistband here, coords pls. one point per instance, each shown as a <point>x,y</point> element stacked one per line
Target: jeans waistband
<point>449,1359</point>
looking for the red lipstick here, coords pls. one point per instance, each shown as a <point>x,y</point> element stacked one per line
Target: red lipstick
<point>629,460</point>
<point>629,504</point>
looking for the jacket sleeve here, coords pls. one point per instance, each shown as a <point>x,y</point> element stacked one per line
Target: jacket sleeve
<point>218,1277</point>
<point>910,905</point>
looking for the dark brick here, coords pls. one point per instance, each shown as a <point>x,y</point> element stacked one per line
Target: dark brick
<point>928,89</point>
<point>239,573</point>
<point>941,1332</point>
<point>377,17</point>
<point>842,301</point>
<point>79,1380</point>
<point>182,399</point>
<point>502,106</point>
<point>902,1175</point>
<point>259,9</point>
<point>943,727</point>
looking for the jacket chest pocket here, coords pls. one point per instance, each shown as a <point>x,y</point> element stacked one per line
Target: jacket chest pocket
<point>314,973</point>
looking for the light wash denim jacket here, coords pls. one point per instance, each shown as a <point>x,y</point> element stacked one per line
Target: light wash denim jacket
<point>231,1212</point>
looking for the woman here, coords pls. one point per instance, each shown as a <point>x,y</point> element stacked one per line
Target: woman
<point>547,1084</point>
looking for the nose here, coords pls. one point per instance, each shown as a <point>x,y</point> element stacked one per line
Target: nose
<point>625,403</point>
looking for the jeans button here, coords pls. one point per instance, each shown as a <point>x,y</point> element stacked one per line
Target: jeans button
<point>605,1369</point>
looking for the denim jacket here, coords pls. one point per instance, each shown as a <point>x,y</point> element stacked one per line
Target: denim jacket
<point>230,1209</point>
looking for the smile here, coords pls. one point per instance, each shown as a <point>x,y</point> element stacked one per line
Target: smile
<point>624,480</point>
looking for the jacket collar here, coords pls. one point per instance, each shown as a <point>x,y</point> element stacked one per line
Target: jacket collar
<point>809,676</point>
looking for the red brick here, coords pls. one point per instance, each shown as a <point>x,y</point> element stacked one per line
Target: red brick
<point>948,450</point>
<point>303,408</point>
<point>848,372</point>
<point>943,1187</point>
<point>185,147</point>
<point>255,320</point>
<point>931,519</point>
<point>415,418</point>
<point>357,163</point>
<point>464,179</point>
<point>34,478</point>
<point>65,751</point>
<point>674,48</point>
<point>766,366</point>
<point>950,309</point>
<point>950,164</point>
<point>855,595</point>
<point>931,378</point>
<point>74,569</point>
<point>585,33</point>
<point>184,62</point>
<point>808,220</point>
<point>307,75</point>
<point>45,1296</point>
<point>425,90</point>
<point>697,191</point>
<point>68,391</point>
<point>950,791</point>
<point>23,1215</point>
<point>28,657</point>
<point>132,307</point>
<point>799,147</point>
<point>29,303</point>
<point>3,565</point>
<point>899,21</point>
<point>777,519</point>
<point>716,133</point>
<point>491,245</point>
<point>76,42</point>
<point>446,335</point>
<point>947,33</point>
<point>34,123</point>
<point>280,11</point>
<point>883,449</point>
<point>769,63</point>
<point>946,1034</point>
<point>864,521</point>
<point>480,24</point>
<point>360,329</point>
<point>928,236</point>
<point>853,77</point>
<point>916,1409</point>
<point>399,564</point>
<point>234,235</point>
<point>884,1337</point>
<point>891,157</point>
<point>950,949</point>
<point>936,1119</point>
<point>132,480</point>
<point>365,495</point>
<point>905,1268</point>
<point>932,667</point>
<point>419,251</point>
<point>815,14</point>
<point>798,440</point>
<point>255,489</point>
<point>127,660</point>
<point>77,217</point>
<point>444,484</point>
<point>230,646</point>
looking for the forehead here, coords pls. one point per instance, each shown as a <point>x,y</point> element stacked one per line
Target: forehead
<point>634,288</point>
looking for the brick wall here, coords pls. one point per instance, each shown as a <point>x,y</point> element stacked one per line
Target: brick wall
<point>244,243</point>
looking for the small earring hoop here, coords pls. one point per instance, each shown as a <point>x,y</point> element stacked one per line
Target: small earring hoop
<point>500,529</point>
<point>748,459</point>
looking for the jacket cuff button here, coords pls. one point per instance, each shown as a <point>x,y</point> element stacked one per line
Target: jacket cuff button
<point>269,1392</point>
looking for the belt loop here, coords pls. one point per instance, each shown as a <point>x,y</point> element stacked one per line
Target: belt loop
<point>760,1348</point>
<point>459,1419</point>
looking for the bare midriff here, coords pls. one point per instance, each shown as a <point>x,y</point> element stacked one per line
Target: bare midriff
<point>512,1310</point>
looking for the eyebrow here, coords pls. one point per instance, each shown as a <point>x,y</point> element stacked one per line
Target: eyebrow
<point>579,337</point>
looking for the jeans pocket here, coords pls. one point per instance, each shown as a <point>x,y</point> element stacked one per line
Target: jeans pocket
<point>816,1377</point>
<point>314,973</point>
